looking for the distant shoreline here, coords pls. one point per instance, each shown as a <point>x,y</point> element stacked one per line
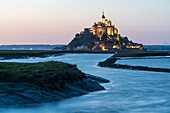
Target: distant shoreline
<point>61,46</point>
<point>24,54</point>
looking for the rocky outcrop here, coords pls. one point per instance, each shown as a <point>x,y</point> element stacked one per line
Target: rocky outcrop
<point>88,41</point>
<point>22,83</point>
<point>102,36</point>
<point>26,93</point>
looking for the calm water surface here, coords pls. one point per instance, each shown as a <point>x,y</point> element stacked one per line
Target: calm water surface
<point>128,92</point>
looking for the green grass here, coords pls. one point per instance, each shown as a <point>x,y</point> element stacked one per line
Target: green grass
<point>45,74</point>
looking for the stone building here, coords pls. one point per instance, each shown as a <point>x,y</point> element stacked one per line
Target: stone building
<point>103,27</point>
<point>102,36</point>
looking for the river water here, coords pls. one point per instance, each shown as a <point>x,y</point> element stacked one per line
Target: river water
<point>128,92</point>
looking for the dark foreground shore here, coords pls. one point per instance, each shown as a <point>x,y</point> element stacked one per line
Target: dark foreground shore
<point>111,62</point>
<point>29,83</point>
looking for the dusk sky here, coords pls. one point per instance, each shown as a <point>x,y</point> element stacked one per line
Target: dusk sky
<point>57,21</point>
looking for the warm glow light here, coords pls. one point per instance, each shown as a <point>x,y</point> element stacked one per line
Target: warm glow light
<point>133,47</point>
<point>116,47</point>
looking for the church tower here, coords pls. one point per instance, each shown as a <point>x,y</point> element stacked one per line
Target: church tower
<point>103,20</point>
<point>103,15</point>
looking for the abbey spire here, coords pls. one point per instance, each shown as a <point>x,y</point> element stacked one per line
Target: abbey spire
<point>103,14</point>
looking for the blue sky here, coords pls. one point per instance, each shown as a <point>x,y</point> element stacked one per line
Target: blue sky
<point>57,21</point>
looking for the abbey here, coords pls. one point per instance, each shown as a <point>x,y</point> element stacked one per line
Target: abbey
<point>103,27</point>
<point>102,36</point>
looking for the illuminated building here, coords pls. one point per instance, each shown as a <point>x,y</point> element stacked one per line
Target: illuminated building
<point>102,36</point>
<point>103,27</point>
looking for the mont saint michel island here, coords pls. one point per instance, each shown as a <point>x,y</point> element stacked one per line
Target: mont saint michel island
<point>102,36</point>
<point>56,58</point>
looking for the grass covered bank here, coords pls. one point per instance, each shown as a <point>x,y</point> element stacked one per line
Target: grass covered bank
<point>111,62</point>
<point>28,83</point>
<point>40,73</point>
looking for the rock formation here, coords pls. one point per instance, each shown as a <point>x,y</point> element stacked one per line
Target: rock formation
<point>102,36</point>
